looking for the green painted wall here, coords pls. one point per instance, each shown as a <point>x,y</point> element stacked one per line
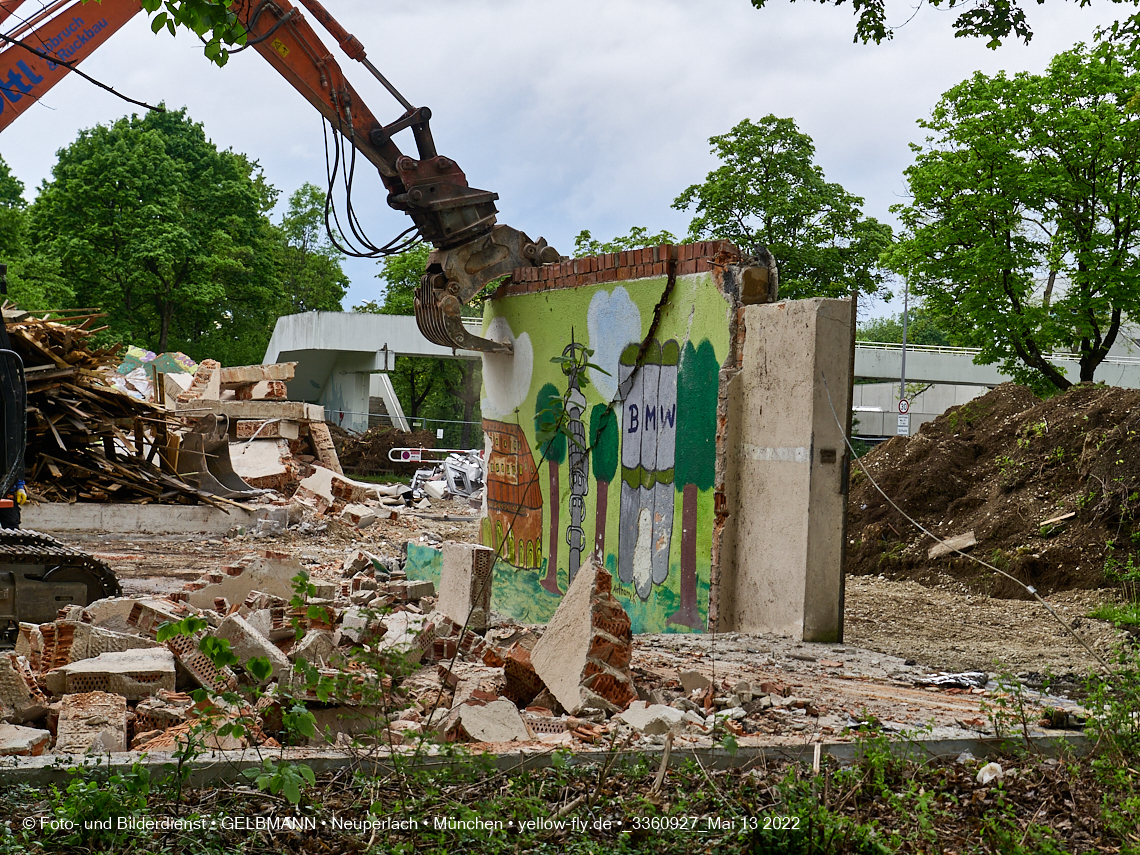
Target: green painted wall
<point>637,483</point>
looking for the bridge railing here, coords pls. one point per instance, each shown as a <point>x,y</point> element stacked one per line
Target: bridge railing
<point>974,351</point>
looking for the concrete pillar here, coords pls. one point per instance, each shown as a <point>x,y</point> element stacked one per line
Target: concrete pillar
<point>785,484</point>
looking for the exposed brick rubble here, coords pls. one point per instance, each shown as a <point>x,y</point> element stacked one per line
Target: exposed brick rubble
<point>584,655</point>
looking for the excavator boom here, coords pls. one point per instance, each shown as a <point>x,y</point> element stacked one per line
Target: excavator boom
<point>471,247</point>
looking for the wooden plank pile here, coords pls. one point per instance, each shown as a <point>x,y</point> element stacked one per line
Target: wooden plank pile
<point>87,441</point>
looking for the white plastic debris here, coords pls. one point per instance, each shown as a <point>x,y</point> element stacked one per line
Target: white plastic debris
<point>990,772</point>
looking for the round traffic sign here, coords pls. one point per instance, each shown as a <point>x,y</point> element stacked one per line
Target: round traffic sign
<point>904,406</point>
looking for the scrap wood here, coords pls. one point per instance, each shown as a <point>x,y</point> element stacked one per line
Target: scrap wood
<point>77,448</point>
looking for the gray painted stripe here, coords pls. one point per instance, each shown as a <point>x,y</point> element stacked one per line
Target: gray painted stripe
<point>785,454</point>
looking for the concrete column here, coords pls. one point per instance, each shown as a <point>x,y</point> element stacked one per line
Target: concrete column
<point>782,563</point>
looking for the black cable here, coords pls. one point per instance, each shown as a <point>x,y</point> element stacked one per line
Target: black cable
<point>71,66</point>
<point>335,166</point>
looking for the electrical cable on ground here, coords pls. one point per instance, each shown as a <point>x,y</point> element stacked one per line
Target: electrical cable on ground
<point>925,531</point>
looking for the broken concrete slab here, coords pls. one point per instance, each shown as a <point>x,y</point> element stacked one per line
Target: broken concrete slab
<point>473,679</point>
<point>360,516</point>
<point>584,653</point>
<point>257,410</point>
<point>16,741</point>
<point>357,626</point>
<point>322,443</point>
<point>494,721</point>
<point>20,698</point>
<point>245,375</point>
<point>408,634</point>
<point>961,542</point>
<point>247,643</point>
<point>693,680</point>
<point>261,429</point>
<point>465,583</point>
<point>165,709</point>
<point>89,641</point>
<point>359,561</point>
<point>269,572</point>
<point>324,487</point>
<point>134,674</point>
<point>652,719</point>
<point>147,616</point>
<point>318,648</point>
<point>93,721</point>
<point>409,589</point>
<point>29,643</point>
<point>266,464</point>
<point>175,383</point>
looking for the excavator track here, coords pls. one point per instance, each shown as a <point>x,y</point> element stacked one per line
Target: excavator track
<point>26,547</point>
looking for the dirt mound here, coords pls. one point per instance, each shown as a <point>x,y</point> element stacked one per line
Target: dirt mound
<point>367,454</point>
<point>1050,489</point>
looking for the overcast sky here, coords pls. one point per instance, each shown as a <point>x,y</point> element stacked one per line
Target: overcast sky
<point>592,114</point>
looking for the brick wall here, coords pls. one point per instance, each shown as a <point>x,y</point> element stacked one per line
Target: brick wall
<point>621,266</point>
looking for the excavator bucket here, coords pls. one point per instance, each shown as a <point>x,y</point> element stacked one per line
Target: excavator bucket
<point>204,460</point>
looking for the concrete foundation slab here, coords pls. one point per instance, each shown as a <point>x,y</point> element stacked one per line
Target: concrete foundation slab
<point>53,517</point>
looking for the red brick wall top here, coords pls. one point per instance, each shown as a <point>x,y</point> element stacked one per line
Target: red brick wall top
<point>620,266</point>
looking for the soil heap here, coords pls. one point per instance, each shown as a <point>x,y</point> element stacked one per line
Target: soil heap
<point>1050,490</point>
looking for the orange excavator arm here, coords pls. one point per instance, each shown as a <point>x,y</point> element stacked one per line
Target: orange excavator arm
<point>68,30</point>
<point>471,247</point>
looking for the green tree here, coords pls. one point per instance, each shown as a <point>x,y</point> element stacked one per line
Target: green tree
<point>34,280</point>
<point>12,207</point>
<point>547,411</point>
<point>992,20</point>
<point>150,221</point>
<point>921,328</point>
<point>769,192</point>
<point>309,265</point>
<point>696,461</point>
<point>603,447</point>
<point>638,238</point>
<point>1023,231</point>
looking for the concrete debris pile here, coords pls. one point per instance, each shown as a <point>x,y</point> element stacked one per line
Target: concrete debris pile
<point>273,443</point>
<point>87,440</point>
<point>379,659</point>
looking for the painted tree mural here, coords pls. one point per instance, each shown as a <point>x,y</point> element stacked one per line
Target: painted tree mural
<point>603,463</point>
<point>697,384</point>
<point>547,411</point>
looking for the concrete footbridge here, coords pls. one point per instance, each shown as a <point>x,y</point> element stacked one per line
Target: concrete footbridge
<point>930,364</point>
<point>343,359</point>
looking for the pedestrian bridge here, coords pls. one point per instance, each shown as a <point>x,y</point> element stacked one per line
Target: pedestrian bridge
<point>929,364</point>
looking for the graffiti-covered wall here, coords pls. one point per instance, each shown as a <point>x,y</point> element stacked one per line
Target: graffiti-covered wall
<point>601,430</point>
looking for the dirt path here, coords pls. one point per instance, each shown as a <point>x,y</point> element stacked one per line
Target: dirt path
<point>954,630</point>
